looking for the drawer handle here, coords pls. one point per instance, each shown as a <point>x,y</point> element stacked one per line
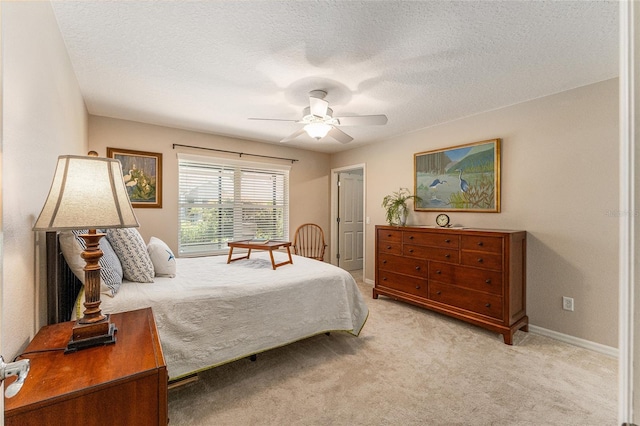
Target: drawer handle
<point>479,260</point>
<point>410,250</point>
<point>388,247</point>
<point>417,268</point>
<point>411,237</point>
<point>447,255</point>
<point>488,281</point>
<point>480,243</point>
<point>417,287</point>
<point>389,235</point>
<point>447,240</point>
<point>438,272</point>
<point>438,292</point>
<point>488,305</point>
<point>384,261</point>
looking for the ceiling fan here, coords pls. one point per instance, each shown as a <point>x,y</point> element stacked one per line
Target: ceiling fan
<point>319,121</point>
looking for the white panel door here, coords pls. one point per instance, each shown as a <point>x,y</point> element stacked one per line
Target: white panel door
<point>350,221</point>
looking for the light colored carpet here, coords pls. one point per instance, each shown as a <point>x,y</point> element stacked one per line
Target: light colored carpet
<point>409,366</point>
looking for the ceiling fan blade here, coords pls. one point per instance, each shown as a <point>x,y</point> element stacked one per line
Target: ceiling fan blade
<point>293,135</point>
<point>362,120</point>
<point>339,135</point>
<point>273,119</point>
<point>318,107</point>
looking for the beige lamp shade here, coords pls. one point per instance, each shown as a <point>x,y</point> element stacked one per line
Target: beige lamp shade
<point>86,193</point>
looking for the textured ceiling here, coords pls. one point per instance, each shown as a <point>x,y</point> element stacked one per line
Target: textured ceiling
<point>210,65</point>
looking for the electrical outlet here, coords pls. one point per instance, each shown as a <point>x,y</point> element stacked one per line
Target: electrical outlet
<point>567,303</point>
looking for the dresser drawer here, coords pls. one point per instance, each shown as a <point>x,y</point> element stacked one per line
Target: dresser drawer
<point>389,235</point>
<point>403,265</point>
<point>480,243</point>
<point>431,239</point>
<point>402,283</point>
<point>477,302</point>
<point>471,278</point>
<point>432,253</point>
<point>389,247</point>
<point>481,260</point>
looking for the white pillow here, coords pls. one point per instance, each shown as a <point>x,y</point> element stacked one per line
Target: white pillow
<point>164,262</point>
<point>72,247</point>
<point>132,252</point>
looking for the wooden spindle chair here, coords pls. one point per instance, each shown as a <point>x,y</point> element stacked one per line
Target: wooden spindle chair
<point>309,241</point>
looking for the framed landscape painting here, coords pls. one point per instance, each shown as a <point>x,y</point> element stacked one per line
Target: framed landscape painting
<point>142,173</point>
<point>460,178</point>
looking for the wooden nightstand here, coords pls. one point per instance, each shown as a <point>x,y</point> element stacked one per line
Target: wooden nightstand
<point>120,384</point>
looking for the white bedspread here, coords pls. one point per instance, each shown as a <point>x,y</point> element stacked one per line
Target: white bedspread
<point>212,313</point>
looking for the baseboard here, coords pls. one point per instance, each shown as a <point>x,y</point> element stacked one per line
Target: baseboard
<point>369,281</point>
<point>576,341</point>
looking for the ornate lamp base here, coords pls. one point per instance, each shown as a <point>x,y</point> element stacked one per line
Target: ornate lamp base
<point>89,335</point>
<point>94,328</point>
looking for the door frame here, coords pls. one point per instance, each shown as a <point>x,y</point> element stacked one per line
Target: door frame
<point>629,232</point>
<point>1,210</point>
<point>333,240</point>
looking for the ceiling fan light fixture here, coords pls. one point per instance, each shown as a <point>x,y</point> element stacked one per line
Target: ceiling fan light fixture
<point>318,120</point>
<point>317,130</point>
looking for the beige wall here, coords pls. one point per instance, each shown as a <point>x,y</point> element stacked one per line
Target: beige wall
<point>559,179</point>
<point>43,116</point>
<point>559,183</point>
<point>309,177</point>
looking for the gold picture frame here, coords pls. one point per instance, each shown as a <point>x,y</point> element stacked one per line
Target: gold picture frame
<point>142,173</point>
<point>463,178</point>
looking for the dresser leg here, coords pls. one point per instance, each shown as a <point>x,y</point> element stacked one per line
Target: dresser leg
<point>508,338</point>
<point>523,325</point>
<point>375,294</point>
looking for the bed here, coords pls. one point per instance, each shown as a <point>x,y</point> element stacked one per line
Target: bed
<point>212,313</point>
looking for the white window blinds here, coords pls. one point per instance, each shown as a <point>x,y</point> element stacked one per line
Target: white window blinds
<point>225,200</point>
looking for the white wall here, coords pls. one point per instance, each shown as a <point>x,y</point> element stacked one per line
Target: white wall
<point>559,182</point>
<point>309,176</point>
<point>43,116</point>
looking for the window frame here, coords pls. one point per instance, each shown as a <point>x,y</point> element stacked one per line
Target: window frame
<point>242,172</point>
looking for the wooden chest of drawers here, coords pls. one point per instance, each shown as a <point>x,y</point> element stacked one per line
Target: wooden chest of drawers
<point>478,276</point>
<point>120,384</point>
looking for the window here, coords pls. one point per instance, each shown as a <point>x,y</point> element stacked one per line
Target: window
<point>224,200</point>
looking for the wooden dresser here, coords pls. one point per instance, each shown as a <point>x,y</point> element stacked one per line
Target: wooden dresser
<point>120,384</point>
<point>478,276</point>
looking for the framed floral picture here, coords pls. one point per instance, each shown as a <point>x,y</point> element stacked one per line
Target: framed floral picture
<point>459,178</point>
<point>142,173</point>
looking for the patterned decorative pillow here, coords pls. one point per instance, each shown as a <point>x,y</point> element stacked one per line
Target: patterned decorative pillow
<point>72,247</point>
<point>164,262</point>
<point>132,252</point>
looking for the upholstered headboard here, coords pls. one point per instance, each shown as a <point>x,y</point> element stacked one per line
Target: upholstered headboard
<point>62,284</point>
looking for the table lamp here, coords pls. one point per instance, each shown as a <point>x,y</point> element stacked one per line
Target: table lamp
<point>88,193</point>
